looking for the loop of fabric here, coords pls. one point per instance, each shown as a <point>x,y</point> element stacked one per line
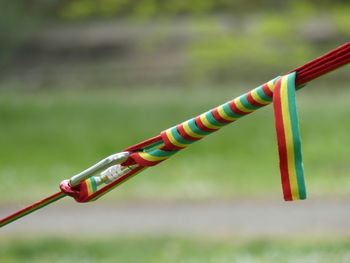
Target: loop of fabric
<point>79,193</point>
<point>89,190</point>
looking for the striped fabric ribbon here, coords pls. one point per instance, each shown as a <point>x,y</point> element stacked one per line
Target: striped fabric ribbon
<point>281,91</point>
<point>288,138</point>
<point>88,187</point>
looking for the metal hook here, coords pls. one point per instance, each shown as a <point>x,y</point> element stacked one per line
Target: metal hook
<point>101,165</point>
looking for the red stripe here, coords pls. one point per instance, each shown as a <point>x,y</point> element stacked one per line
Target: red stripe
<point>136,156</point>
<point>252,101</point>
<point>168,145</point>
<point>267,91</point>
<point>129,162</point>
<point>218,117</point>
<point>235,109</point>
<point>83,191</point>
<point>201,126</point>
<point>143,144</point>
<point>281,140</point>
<point>181,130</point>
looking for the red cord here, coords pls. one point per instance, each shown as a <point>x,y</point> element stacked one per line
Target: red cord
<point>323,64</point>
<point>144,143</point>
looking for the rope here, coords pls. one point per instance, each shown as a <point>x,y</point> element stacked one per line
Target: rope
<point>29,209</point>
<point>170,141</point>
<point>323,64</point>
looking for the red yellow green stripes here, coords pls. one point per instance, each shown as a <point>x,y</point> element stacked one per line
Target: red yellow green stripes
<point>188,132</point>
<point>31,208</point>
<point>288,138</point>
<point>151,158</point>
<point>89,186</point>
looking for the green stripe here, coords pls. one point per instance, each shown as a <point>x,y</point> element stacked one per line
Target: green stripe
<point>296,135</point>
<point>193,126</point>
<point>262,94</point>
<point>246,103</point>
<point>229,112</point>
<point>275,79</point>
<point>212,120</point>
<point>153,145</point>
<point>93,184</point>
<point>178,136</point>
<point>300,87</point>
<point>127,170</point>
<point>161,153</point>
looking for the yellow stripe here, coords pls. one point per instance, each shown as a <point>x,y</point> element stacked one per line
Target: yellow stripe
<point>206,122</point>
<point>257,98</point>
<point>89,186</point>
<point>289,140</point>
<point>270,85</point>
<point>224,115</point>
<point>151,158</point>
<point>173,140</point>
<point>126,168</point>
<point>240,106</point>
<point>190,132</point>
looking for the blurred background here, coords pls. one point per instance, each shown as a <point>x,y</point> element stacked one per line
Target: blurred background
<point>82,79</point>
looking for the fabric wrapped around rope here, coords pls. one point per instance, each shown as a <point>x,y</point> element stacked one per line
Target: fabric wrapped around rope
<point>281,91</point>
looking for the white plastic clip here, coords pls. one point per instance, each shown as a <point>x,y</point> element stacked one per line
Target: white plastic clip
<point>111,160</point>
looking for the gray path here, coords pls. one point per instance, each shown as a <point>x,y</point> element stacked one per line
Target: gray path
<point>243,218</point>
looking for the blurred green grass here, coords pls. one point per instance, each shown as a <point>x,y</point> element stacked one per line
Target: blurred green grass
<point>172,249</point>
<point>47,136</point>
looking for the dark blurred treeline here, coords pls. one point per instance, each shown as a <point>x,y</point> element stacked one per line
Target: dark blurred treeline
<point>46,42</point>
<point>87,9</point>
